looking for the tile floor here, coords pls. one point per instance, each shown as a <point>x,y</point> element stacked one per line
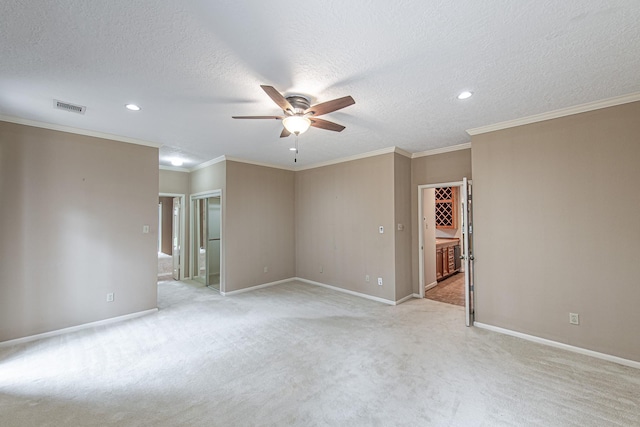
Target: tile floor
<point>450,290</point>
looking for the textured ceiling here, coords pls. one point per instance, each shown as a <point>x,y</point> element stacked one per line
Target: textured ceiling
<point>191,65</point>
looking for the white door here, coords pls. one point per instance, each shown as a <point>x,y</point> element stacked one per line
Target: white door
<point>175,238</point>
<point>467,255</point>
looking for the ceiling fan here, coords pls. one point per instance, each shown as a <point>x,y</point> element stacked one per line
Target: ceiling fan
<point>299,114</point>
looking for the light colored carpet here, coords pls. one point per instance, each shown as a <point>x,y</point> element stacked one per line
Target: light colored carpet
<point>165,266</point>
<point>295,354</point>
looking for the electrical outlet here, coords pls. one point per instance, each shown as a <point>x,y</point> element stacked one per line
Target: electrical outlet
<point>381,229</point>
<point>110,297</point>
<point>366,278</point>
<point>379,281</point>
<point>574,318</point>
<point>265,269</point>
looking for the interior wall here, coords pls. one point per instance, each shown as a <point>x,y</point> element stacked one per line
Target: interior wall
<point>402,229</point>
<point>71,220</point>
<point>209,178</point>
<point>429,235</point>
<point>436,169</point>
<point>555,229</point>
<point>258,226</point>
<point>338,210</point>
<point>166,245</point>
<point>178,182</point>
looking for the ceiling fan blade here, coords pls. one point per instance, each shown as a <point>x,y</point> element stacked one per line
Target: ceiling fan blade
<point>277,98</point>
<point>285,133</point>
<point>258,117</point>
<point>330,106</point>
<point>325,124</point>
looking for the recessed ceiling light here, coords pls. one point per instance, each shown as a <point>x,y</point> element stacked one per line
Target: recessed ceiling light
<point>465,95</point>
<point>176,162</point>
<point>132,107</point>
<point>292,149</point>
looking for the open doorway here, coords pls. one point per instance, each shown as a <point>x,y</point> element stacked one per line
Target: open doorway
<point>445,264</point>
<point>206,235</point>
<point>170,236</point>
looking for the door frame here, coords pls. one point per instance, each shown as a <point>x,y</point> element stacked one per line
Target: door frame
<point>182,229</point>
<point>422,187</point>
<point>193,258</point>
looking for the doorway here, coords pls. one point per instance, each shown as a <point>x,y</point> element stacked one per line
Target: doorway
<point>446,245</point>
<point>207,239</point>
<point>170,236</point>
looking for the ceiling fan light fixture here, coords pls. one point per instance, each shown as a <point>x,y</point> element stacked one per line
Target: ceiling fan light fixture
<point>296,124</point>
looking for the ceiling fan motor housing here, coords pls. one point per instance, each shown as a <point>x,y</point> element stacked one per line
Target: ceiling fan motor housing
<point>299,103</point>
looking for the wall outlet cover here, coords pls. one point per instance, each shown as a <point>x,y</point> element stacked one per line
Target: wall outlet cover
<point>574,318</point>
<point>380,281</point>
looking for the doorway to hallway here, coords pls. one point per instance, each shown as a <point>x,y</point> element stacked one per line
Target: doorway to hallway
<point>207,239</point>
<point>170,236</point>
<point>445,241</point>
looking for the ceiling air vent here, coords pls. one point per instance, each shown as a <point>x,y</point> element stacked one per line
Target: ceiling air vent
<point>61,105</point>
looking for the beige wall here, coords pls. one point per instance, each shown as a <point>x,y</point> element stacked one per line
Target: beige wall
<point>71,220</point>
<point>436,169</point>
<point>258,225</point>
<point>402,202</point>
<point>212,177</point>
<point>555,211</point>
<point>167,224</point>
<point>338,211</point>
<point>174,182</point>
<point>209,178</point>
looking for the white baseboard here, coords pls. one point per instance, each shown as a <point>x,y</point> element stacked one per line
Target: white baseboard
<point>76,328</point>
<point>417,296</point>
<point>407,298</point>
<point>252,288</point>
<point>347,291</point>
<point>580,350</point>
<point>431,285</point>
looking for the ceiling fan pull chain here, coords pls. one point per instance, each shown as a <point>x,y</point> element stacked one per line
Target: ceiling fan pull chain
<point>295,158</point>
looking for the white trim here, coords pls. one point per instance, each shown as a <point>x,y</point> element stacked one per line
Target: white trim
<point>346,291</point>
<point>208,163</point>
<point>407,298</point>
<point>251,162</point>
<point>582,108</point>
<point>253,288</point>
<point>556,344</point>
<point>431,285</point>
<point>417,296</point>
<point>173,168</point>
<point>183,228</point>
<point>193,258</point>
<point>349,158</point>
<point>442,150</point>
<point>403,152</point>
<point>76,328</point>
<point>77,131</point>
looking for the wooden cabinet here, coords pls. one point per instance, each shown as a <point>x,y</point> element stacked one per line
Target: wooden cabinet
<point>445,257</point>
<point>446,208</point>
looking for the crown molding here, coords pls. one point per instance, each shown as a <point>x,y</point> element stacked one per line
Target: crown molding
<point>349,158</point>
<point>77,131</point>
<point>173,168</point>
<point>208,163</point>
<point>442,150</point>
<point>563,112</point>
<point>251,162</point>
<point>403,152</point>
